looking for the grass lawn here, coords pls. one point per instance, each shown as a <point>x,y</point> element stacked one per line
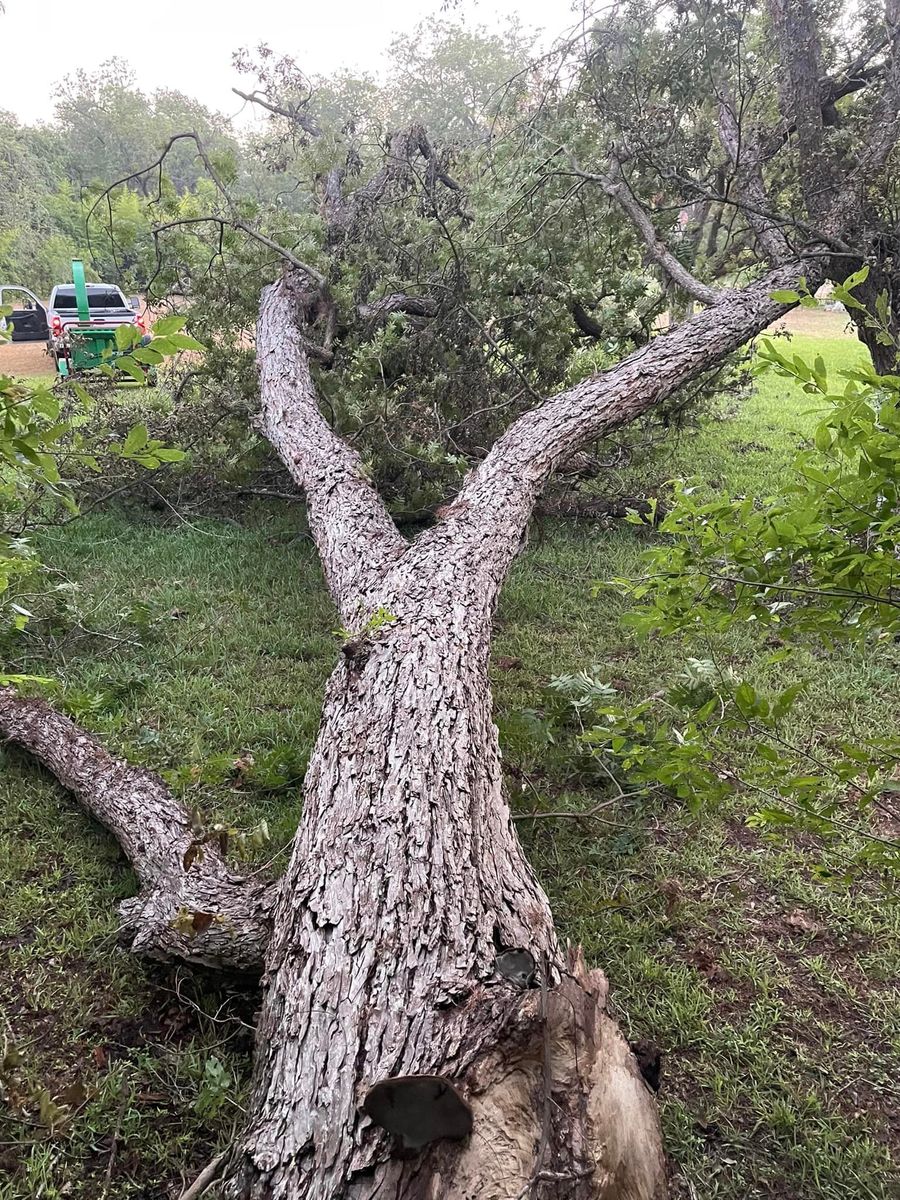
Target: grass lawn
<point>774,998</point>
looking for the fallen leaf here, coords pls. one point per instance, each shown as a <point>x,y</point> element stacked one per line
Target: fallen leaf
<point>799,920</point>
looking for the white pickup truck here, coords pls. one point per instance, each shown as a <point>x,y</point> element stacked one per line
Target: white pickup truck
<point>107,304</point>
<point>31,320</point>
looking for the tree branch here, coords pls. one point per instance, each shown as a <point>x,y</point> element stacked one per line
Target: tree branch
<point>355,536</point>
<point>242,227</point>
<point>398,302</point>
<point>616,187</point>
<point>497,498</point>
<point>202,912</point>
<point>294,114</point>
<point>742,149</point>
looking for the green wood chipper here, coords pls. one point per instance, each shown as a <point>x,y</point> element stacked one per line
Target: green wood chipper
<point>84,320</point>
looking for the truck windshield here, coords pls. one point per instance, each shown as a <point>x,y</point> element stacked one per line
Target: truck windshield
<point>66,299</point>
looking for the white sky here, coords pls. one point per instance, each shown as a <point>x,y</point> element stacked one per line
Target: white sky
<point>187,44</point>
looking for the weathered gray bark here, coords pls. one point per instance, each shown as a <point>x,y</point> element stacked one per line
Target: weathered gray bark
<point>407,877</point>
<point>407,880</point>
<point>205,913</point>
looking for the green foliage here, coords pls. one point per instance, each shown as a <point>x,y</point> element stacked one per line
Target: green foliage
<point>815,565</point>
<point>819,559</point>
<point>49,441</point>
<point>217,1087</point>
<point>378,620</point>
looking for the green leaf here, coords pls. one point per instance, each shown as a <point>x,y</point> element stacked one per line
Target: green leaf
<point>184,342</point>
<point>823,438</point>
<point>145,354</point>
<point>786,297</point>
<point>82,395</point>
<point>127,336</point>
<point>745,697</point>
<point>857,277</point>
<point>166,325</point>
<point>127,364</point>
<point>136,440</point>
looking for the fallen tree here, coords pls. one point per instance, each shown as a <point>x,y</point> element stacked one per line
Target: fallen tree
<point>410,940</point>
<point>423,1032</point>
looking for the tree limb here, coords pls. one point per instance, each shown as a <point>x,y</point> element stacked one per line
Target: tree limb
<point>294,114</point>
<point>497,498</point>
<point>585,322</point>
<point>355,536</point>
<point>616,187</point>
<point>742,149</point>
<point>202,912</point>
<point>398,302</point>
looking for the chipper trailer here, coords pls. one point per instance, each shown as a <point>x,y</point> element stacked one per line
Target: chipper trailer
<point>83,322</point>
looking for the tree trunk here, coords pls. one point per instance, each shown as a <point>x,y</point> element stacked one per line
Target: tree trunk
<point>406,886</point>
<point>882,279</point>
<point>423,1035</point>
<point>408,891</point>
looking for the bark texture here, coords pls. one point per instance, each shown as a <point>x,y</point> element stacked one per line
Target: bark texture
<point>407,882</point>
<point>356,538</point>
<point>407,878</point>
<point>204,914</point>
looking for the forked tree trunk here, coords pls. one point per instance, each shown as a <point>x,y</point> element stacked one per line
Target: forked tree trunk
<point>410,937</point>
<point>408,886</point>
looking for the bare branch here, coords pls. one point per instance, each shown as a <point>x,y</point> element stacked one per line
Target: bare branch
<point>355,536</point>
<point>233,220</point>
<point>742,149</point>
<point>616,186</point>
<point>585,322</point>
<point>242,227</point>
<point>294,114</point>
<point>191,905</point>
<point>398,302</point>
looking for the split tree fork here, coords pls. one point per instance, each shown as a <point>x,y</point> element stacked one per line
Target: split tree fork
<point>386,948</point>
<point>423,1034</point>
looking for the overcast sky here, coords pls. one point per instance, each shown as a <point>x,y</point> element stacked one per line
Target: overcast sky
<point>187,44</point>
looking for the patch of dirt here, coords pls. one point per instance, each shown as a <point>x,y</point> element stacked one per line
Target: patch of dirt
<point>27,359</point>
<point>794,935</point>
<point>70,1070</point>
<point>817,322</point>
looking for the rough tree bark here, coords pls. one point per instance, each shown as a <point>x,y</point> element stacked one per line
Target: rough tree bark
<point>408,897</point>
<point>204,913</point>
<point>407,879</point>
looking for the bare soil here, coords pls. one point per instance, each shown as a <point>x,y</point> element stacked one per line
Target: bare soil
<point>28,359</point>
<point>817,322</point>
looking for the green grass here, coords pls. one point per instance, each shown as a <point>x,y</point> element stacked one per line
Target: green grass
<point>774,998</point>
